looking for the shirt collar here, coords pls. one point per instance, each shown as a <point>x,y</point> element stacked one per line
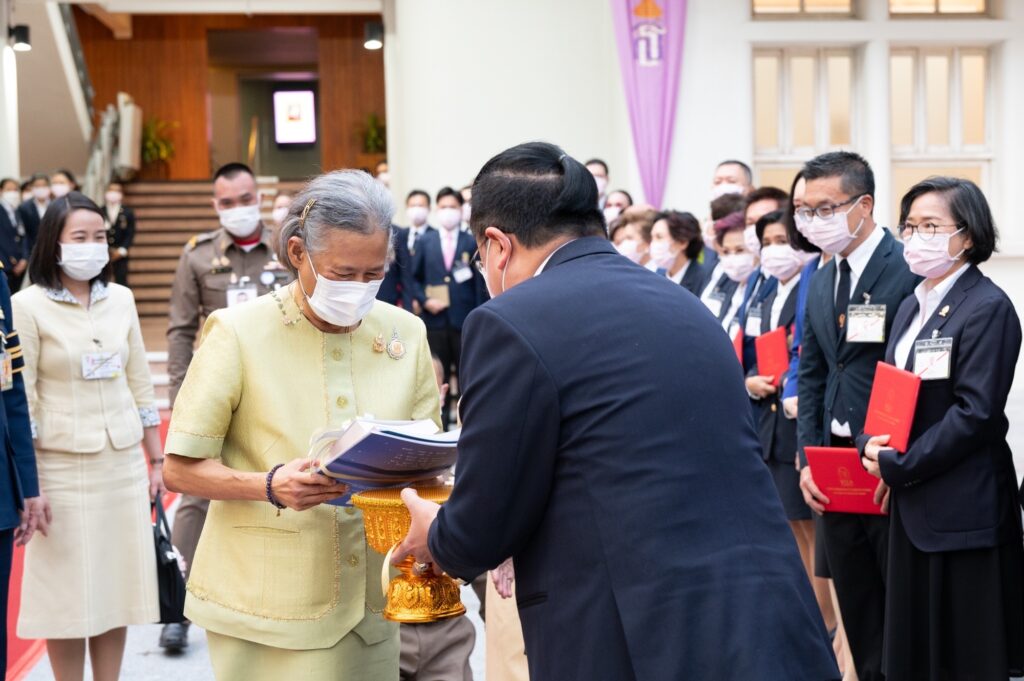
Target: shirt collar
<point>551,255</point>
<point>97,293</point>
<point>928,301</point>
<point>862,254</point>
<point>782,292</point>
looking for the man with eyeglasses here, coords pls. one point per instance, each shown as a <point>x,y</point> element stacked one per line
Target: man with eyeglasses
<point>850,309</point>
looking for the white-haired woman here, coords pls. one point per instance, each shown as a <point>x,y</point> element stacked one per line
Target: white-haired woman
<point>285,585</point>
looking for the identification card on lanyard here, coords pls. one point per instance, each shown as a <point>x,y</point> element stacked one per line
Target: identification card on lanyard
<point>753,326</point>
<point>6,367</point>
<point>865,324</point>
<point>242,292</point>
<point>714,302</point>
<point>101,365</point>
<point>461,272</point>
<point>932,358</point>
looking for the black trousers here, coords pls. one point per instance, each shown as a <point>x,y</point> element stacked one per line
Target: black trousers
<point>446,344</point>
<point>14,280</point>
<point>6,552</point>
<point>121,272</point>
<point>857,547</point>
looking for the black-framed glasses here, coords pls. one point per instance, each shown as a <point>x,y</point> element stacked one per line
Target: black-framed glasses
<point>825,212</point>
<point>926,230</point>
<point>477,262</point>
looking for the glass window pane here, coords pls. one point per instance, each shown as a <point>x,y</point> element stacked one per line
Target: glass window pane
<point>802,96</point>
<point>912,6</point>
<point>766,101</point>
<point>776,6</point>
<point>972,97</point>
<point>901,99</point>
<point>828,6</point>
<point>906,176</point>
<point>839,84</point>
<point>776,176</point>
<point>936,78</point>
<point>962,6</point>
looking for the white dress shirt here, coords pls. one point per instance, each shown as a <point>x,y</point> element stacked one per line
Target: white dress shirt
<point>781,295</point>
<point>415,233</point>
<point>678,276</point>
<point>551,255</point>
<point>928,302</point>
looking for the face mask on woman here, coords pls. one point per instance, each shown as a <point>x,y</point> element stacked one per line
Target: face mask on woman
<point>781,261</point>
<point>662,255</point>
<point>279,214</point>
<point>341,303</point>
<point>83,262</point>
<point>630,248</point>
<point>738,266</point>
<point>60,189</point>
<point>930,258</point>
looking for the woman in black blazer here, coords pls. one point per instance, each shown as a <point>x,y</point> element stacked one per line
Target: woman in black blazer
<point>675,245</point>
<point>955,600</point>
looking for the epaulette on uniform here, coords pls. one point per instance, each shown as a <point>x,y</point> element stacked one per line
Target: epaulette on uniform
<point>198,239</point>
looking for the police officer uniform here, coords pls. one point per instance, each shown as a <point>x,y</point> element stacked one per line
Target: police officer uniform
<point>120,236</point>
<point>213,271</point>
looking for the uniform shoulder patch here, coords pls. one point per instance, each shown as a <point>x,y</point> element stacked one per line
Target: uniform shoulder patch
<point>198,239</point>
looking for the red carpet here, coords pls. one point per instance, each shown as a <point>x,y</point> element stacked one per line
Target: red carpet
<point>23,655</point>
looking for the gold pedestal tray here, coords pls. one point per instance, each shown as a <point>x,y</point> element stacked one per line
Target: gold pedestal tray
<point>412,598</point>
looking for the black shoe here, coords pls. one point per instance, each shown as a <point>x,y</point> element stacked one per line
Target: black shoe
<point>174,637</point>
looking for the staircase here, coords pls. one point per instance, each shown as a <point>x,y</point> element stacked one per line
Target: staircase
<point>168,214</point>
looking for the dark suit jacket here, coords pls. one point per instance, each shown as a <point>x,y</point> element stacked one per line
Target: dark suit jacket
<point>121,233</point>
<point>695,278</point>
<point>726,288</point>
<point>12,239</point>
<point>648,539</point>
<point>30,219</point>
<point>17,456</point>
<point>428,270</point>
<point>828,364</point>
<point>956,488</point>
<point>778,433</point>
<point>397,285</point>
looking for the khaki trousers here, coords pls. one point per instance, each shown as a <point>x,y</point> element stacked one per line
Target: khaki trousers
<point>506,652</point>
<point>188,526</point>
<point>438,651</point>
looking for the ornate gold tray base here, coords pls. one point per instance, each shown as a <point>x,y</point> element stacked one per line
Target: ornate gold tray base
<point>411,598</point>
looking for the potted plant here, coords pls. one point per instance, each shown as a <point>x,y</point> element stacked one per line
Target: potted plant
<point>157,147</point>
<point>374,143</point>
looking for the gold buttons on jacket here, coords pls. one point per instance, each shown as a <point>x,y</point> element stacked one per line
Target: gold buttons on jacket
<point>349,510</point>
<point>336,355</point>
<point>342,402</point>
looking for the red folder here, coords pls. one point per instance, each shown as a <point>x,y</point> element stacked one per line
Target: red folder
<point>772,354</point>
<point>737,345</point>
<point>892,404</point>
<point>840,477</point>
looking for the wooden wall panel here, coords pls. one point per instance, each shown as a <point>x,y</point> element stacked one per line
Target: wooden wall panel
<point>164,67</point>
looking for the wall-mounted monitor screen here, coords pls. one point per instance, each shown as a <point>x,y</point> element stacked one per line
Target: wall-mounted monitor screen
<point>294,117</point>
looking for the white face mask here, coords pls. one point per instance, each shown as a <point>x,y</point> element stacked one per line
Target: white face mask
<point>831,235</point>
<point>241,221</point>
<point>630,248</point>
<point>417,215</point>
<point>279,214</point>
<point>467,210</point>
<point>450,218</point>
<point>41,193</point>
<point>602,185</point>
<point>113,198</point>
<point>930,258</point>
<point>60,189</point>
<point>662,255</point>
<point>738,266</point>
<point>610,213</point>
<point>341,303</point>
<point>487,259</point>
<point>83,262</point>
<point>384,179</point>
<point>12,198</point>
<point>726,188</point>
<point>781,261</point>
<point>751,240</point>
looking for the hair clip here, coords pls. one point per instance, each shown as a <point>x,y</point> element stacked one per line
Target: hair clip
<point>305,212</point>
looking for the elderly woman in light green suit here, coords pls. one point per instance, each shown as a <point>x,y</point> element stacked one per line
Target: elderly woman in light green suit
<point>284,584</point>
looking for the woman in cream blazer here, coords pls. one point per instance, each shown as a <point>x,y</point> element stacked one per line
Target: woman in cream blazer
<point>92,406</point>
<point>284,584</point>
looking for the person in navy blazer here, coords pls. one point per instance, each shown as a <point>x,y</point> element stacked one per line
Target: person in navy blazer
<point>23,510</point>
<point>837,366</point>
<point>465,288</point>
<point>31,211</point>
<point>647,540</point>
<point>13,246</point>
<point>956,600</point>
<point>397,287</point>
<point>675,246</point>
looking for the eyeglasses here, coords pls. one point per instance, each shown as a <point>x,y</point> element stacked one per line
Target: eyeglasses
<point>477,262</point>
<point>926,230</point>
<point>824,212</point>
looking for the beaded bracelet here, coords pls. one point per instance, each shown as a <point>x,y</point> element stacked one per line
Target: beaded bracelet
<point>270,494</point>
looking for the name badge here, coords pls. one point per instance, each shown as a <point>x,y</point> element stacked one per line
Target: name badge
<point>753,326</point>
<point>932,357</point>
<point>241,294</point>
<point>6,371</point>
<point>461,273</point>
<point>101,365</point>
<point>714,302</point>
<point>865,324</point>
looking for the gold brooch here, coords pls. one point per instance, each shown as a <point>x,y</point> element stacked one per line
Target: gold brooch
<point>944,311</point>
<point>378,343</point>
<point>396,348</point>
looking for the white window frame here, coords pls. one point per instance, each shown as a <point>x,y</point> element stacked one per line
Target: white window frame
<point>803,13</point>
<point>987,13</point>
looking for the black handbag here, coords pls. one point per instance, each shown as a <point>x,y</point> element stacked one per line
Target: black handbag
<point>170,582</point>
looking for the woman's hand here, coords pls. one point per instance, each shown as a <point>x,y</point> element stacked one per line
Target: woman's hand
<point>504,577</point>
<point>156,480</point>
<point>871,451</point>
<point>882,495</point>
<point>791,407</point>
<point>36,516</point>
<point>298,486</point>
<point>760,386</point>
<point>812,495</point>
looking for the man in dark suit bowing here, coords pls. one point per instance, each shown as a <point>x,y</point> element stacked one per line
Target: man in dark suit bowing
<point>851,304</point>
<point>647,538</point>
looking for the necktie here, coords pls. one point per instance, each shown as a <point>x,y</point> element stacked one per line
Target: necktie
<point>449,248</point>
<point>842,295</point>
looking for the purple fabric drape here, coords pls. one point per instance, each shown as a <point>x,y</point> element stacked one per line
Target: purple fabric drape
<point>649,34</point>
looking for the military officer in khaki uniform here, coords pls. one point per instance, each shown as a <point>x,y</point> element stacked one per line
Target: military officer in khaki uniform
<point>230,265</point>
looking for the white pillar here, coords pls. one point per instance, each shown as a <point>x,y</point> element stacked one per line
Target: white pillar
<point>10,150</point>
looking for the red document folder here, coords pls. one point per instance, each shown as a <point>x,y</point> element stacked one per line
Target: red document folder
<point>737,345</point>
<point>840,477</point>
<point>772,354</point>
<point>892,404</point>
